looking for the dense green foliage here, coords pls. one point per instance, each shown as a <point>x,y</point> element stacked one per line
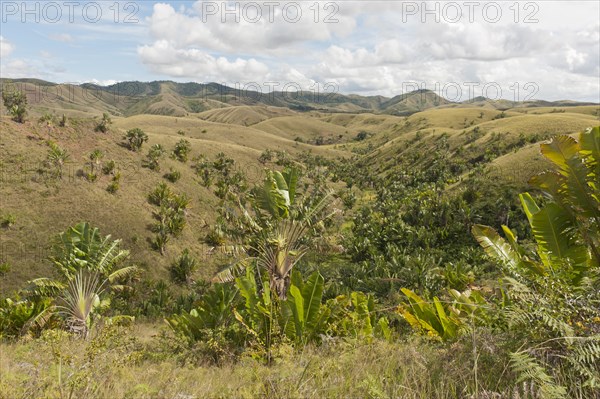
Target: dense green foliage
<point>325,253</point>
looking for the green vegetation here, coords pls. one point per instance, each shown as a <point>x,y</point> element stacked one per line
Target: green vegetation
<point>182,150</point>
<point>155,153</point>
<point>135,139</point>
<point>15,102</point>
<point>371,267</point>
<point>104,123</point>
<point>170,216</point>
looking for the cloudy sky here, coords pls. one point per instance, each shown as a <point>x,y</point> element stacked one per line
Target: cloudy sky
<point>514,50</point>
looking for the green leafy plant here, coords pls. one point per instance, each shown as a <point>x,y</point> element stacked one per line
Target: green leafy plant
<point>95,158</point>
<point>430,316</point>
<point>79,302</point>
<point>56,158</point>
<point>109,167</point>
<point>155,153</point>
<point>183,268</point>
<point>104,123</point>
<point>15,102</point>
<point>170,215</point>
<point>64,122</point>
<point>553,294</point>
<point>304,317</point>
<point>281,224</point>
<point>182,150</point>
<point>47,118</point>
<point>81,247</point>
<point>173,176</point>
<point>8,220</point>
<point>135,138</point>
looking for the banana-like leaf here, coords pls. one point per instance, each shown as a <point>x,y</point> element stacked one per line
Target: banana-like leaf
<point>550,226</point>
<point>549,181</point>
<point>449,327</point>
<point>559,150</point>
<point>296,303</point>
<point>529,205</point>
<point>495,246</point>
<point>291,178</point>
<point>512,240</point>
<point>422,314</point>
<point>312,292</point>
<point>123,273</point>
<point>580,189</point>
<point>589,142</point>
<point>228,273</point>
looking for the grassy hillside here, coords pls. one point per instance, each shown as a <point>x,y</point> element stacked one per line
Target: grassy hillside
<point>394,142</point>
<point>365,245</point>
<point>181,99</point>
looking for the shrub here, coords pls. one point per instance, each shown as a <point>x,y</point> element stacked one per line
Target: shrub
<point>113,187</point>
<point>182,150</point>
<point>183,268</point>
<point>109,167</point>
<point>361,136</point>
<point>15,102</point>
<point>154,154</point>
<point>8,220</point>
<point>135,138</point>
<point>173,176</point>
<point>47,118</point>
<point>104,123</point>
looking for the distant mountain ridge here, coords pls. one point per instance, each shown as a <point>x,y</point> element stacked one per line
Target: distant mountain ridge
<point>180,99</point>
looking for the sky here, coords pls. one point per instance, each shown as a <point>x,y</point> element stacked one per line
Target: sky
<point>461,49</point>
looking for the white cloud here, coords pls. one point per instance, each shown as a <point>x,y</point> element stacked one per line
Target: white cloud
<point>108,82</point>
<point>6,47</point>
<point>194,63</point>
<point>62,37</point>
<point>253,34</point>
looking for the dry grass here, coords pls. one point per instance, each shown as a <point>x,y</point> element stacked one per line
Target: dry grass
<point>244,115</point>
<point>119,366</point>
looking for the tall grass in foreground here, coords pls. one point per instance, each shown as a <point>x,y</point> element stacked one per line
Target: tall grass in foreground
<point>115,364</point>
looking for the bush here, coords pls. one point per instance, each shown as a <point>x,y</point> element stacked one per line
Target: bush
<point>183,268</point>
<point>109,167</point>
<point>182,150</point>
<point>47,118</point>
<point>361,136</point>
<point>8,220</point>
<point>15,102</point>
<point>173,176</point>
<point>135,138</point>
<point>104,124</point>
<point>113,187</point>
<point>154,154</point>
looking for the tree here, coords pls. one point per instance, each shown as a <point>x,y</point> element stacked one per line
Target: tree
<point>88,265</point>
<point>135,138</point>
<point>104,124</point>
<point>281,223</point>
<point>15,102</point>
<point>57,157</point>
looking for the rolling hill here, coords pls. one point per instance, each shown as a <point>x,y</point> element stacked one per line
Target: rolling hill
<point>385,135</point>
<point>179,99</point>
